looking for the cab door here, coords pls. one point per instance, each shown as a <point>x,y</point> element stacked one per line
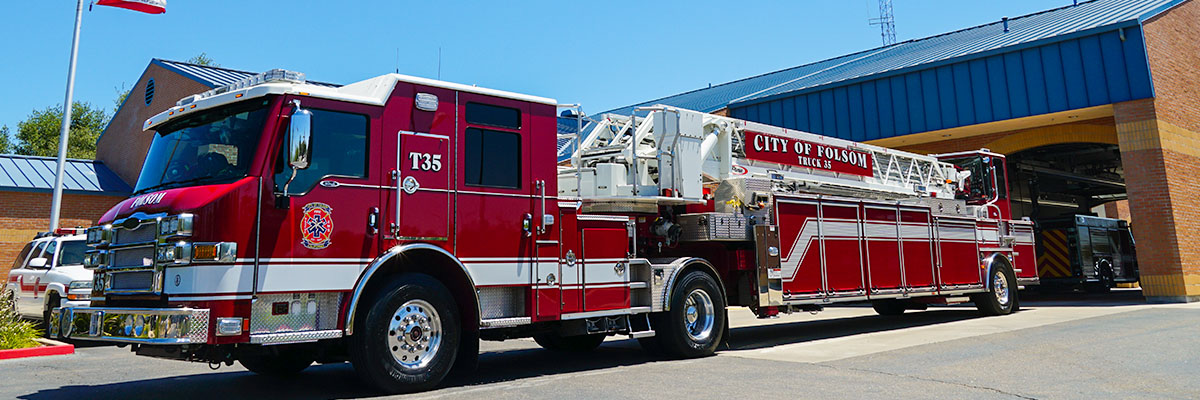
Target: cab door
<point>494,210</point>
<point>423,164</point>
<point>32,280</point>
<point>328,221</point>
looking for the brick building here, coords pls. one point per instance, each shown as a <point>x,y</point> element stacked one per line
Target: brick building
<point>26,183</point>
<point>1095,104</point>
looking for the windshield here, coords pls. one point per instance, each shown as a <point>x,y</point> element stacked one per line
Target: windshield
<point>71,252</point>
<point>978,188</point>
<point>213,147</point>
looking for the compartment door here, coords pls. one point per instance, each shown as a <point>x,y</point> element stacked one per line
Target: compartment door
<point>842,241</point>
<point>917,236</point>
<point>881,226</point>
<point>800,248</point>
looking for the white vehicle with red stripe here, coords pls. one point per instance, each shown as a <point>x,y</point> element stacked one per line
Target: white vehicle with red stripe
<point>49,273</point>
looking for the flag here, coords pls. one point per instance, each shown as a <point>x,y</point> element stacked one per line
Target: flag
<point>146,6</point>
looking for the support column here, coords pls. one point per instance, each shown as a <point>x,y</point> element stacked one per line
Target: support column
<point>1162,174</point>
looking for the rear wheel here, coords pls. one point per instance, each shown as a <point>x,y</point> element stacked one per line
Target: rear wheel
<point>1001,297</point>
<point>1105,279</point>
<point>47,310</point>
<point>279,362</point>
<point>569,344</point>
<point>408,339</point>
<point>695,324</point>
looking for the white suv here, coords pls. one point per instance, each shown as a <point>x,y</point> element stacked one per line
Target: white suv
<point>49,273</point>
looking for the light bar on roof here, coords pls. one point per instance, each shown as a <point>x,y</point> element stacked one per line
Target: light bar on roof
<point>275,75</point>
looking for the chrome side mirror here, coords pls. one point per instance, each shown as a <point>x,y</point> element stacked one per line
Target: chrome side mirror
<point>299,150</point>
<point>300,137</point>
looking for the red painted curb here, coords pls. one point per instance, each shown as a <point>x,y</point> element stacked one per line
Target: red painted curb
<point>37,351</point>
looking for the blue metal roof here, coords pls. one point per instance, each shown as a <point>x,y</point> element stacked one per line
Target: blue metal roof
<point>976,42</point>
<point>30,173</point>
<point>213,76</point>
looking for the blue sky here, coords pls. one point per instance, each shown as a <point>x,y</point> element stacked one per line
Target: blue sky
<point>603,54</point>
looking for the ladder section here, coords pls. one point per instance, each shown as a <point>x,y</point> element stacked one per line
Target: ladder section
<point>673,153</point>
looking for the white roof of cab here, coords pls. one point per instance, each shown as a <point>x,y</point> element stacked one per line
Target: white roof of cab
<point>374,91</point>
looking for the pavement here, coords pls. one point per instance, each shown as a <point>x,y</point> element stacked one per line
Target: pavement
<point>1062,346</point>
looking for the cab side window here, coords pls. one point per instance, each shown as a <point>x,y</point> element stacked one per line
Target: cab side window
<point>51,250</point>
<point>339,148</point>
<point>492,156</point>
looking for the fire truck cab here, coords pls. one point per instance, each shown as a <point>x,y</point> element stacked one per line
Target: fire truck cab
<point>396,221</point>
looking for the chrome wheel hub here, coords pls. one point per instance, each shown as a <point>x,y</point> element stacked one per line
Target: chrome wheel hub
<point>414,334</point>
<point>1000,288</point>
<point>698,315</point>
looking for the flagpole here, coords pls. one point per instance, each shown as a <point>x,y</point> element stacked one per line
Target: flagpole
<point>64,133</point>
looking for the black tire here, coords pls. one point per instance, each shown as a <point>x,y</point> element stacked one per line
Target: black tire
<point>51,301</point>
<point>278,362</point>
<point>889,307</point>
<point>1001,297</point>
<point>569,344</point>
<point>1105,281</point>
<point>408,316</point>
<point>676,337</point>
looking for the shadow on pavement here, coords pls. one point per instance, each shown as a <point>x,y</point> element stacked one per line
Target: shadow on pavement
<point>1067,298</point>
<point>339,380</point>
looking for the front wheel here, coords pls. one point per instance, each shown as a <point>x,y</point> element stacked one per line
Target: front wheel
<point>408,339</point>
<point>1001,298</point>
<point>695,324</point>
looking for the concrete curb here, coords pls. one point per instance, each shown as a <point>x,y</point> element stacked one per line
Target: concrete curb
<point>48,348</point>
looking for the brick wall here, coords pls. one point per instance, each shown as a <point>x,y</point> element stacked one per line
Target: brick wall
<point>123,145</point>
<point>24,214</point>
<point>1160,149</point>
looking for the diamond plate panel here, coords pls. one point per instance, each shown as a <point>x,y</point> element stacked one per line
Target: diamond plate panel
<point>304,312</point>
<point>502,302</point>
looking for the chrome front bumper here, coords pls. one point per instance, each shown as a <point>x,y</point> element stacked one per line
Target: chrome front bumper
<point>131,325</point>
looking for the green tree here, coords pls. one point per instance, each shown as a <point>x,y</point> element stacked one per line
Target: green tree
<point>202,59</point>
<point>122,93</point>
<point>5,140</point>
<point>38,135</point>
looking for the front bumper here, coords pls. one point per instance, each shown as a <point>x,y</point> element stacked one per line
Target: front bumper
<point>131,325</point>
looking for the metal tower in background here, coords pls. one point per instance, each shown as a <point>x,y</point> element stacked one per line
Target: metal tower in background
<point>886,22</point>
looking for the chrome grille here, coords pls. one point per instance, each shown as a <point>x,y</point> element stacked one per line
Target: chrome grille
<point>139,281</point>
<point>136,257</point>
<point>143,233</point>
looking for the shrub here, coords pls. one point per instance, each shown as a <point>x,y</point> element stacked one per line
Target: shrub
<point>15,333</point>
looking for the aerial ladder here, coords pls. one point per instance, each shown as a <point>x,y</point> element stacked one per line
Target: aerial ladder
<point>673,155</point>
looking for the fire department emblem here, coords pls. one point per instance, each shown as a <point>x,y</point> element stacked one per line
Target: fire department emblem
<point>316,227</point>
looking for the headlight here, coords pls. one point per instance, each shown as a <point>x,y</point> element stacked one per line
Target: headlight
<point>79,285</point>
<point>178,253</point>
<point>97,235</point>
<point>93,259</point>
<point>175,225</point>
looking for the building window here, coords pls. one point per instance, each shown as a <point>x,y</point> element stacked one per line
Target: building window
<point>339,148</point>
<point>493,158</point>
<point>487,114</point>
<point>149,91</point>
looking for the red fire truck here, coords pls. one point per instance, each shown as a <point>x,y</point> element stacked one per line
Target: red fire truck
<point>397,221</point>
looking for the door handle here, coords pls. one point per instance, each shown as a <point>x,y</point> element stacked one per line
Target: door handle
<point>527,224</point>
<point>373,220</point>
